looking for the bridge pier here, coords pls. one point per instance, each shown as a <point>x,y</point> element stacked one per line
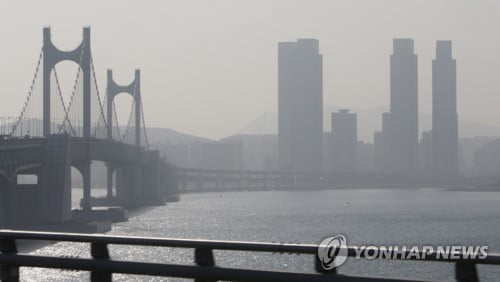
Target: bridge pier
<point>150,179</point>
<point>132,189</point>
<point>84,169</point>
<point>87,186</point>
<point>137,189</point>
<point>56,179</point>
<point>122,182</point>
<point>8,198</point>
<point>23,206</point>
<point>109,181</point>
<point>48,200</point>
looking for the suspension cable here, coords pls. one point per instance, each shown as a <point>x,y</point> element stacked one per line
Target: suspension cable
<point>144,127</point>
<point>73,92</point>
<point>63,105</point>
<point>74,88</point>
<point>116,121</point>
<point>129,120</point>
<point>97,90</point>
<point>131,113</point>
<point>102,118</point>
<point>30,92</point>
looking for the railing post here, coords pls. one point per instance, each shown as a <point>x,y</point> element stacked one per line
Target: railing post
<point>8,273</point>
<point>204,257</point>
<point>319,267</point>
<point>99,251</point>
<point>465,271</point>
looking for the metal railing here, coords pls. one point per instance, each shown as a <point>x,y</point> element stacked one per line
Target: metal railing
<point>102,266</point>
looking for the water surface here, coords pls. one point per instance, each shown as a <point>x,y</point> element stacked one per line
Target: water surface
<point>365,216</point>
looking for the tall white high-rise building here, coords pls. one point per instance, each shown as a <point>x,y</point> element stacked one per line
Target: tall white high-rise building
<point>403,142</point>
<point>444,113</point>
<point>300,106</point>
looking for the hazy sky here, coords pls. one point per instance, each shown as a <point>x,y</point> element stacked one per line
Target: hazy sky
<point>210,67</point>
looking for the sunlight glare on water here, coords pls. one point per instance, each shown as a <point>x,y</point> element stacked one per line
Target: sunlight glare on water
<point>365,217</point>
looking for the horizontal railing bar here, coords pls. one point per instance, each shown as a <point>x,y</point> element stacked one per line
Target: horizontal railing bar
<point>179,271</point>
<point>162,242</point>
<point>213,244</point>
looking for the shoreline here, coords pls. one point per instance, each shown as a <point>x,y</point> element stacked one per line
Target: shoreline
<point>260,189</point>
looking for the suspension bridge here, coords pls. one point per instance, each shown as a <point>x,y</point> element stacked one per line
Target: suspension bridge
<point>51,135</point>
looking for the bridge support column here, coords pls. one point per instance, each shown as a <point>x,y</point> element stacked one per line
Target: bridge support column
<point>122,183</point>
<point>8,204</point>
<point>127,183</point>
<point>109,181</point>
<point>171,180</point>
<point>150,178</point>
<point>55,191</point>
<point>87,185</point>
<point>137,189</point>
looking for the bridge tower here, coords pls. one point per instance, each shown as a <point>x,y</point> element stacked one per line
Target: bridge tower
<point>133,89</point>
<point>82,57</point>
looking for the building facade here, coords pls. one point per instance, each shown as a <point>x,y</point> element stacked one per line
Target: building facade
<point>425,153</point>
<point>444,113</point>
<point>404,108</point>
<point>300,106</point>
<point>344,141</point>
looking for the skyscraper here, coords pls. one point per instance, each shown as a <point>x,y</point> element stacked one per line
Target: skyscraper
<point>425,153</point>
<point>444,113</point>
<point>381,146</point>
<point>345,141</point>
<point>404,108</point>
<point>300,106</point>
